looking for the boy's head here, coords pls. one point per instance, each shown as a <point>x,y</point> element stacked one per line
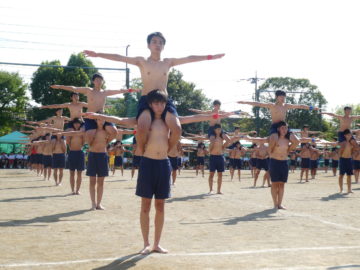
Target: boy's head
<point>74,96</point>
<point>280,96</point>
<point>157,101</point>
<point>216,104</point>
<point>77,123</point>
<point>306,127</point>
<point>347,110</point>
<point>347,134</point>
<point>47,136</point>
<point>217,129</point>
<point>156,42</point>
<point>97,79</point>
<point>282,128</point>
<point>59,112</point>
<point>238,145</point>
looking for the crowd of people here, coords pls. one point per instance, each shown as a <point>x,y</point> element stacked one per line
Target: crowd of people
<point>157,150</point>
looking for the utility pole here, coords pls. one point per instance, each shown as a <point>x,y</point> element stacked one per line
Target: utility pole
<point>255,80</point>
<point>127,70</point>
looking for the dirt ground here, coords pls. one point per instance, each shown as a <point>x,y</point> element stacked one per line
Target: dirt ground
<point>44,227</point>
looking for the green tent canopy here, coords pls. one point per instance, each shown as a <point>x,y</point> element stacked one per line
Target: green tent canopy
<point>11,143</point>
<point>128,141</point>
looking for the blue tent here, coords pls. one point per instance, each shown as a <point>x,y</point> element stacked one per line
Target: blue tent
<point>11,143</point>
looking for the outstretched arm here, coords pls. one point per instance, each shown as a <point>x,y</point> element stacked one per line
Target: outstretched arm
<point>71,133</point>
<point>256,104</point>
<point>115,57</point>
<point>112,119</point>
<point>193,58</point>
<point>300,106</point>
<point>82,90</point>
<point>122,91</point>
<point>199,111</point>
<point>55,106</point>
<point>202,117</point>
<point>332,114</point>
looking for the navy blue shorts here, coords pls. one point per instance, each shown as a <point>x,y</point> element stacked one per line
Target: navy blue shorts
<point>231,162</point>
<point>237,163</point>
<point>279,170</point>
<point>200,160</point>
<point>346,166</point>
<point>292,162</point>
<point>91,124</point>
<point>313,164</point>
<point>305,163</point>
<point>217,163</point>
<point>47,161</point>
<point>76,160</point>
<point>136,161</point>
<point>262,164</point>
<point>356,164</point>
<point>38,158</point>
<point>174,163</point>
<point>179,161</point>
<point>154,178</point>
<point>143,105</point>
<point>334,163</point>
<point>58,161</point>
<point>97,165</point>
<point>253,162</point>
<point>118,161</point>
<point>53,137</point>
<point>326,162</point>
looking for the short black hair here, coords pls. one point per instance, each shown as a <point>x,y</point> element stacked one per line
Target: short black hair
<point>346,131</point>
<point>305,126</point>
<point>217,126</point>
<point>280,93</point>
<point>97,75</point>
<point>156,96</point>
<point>216,102</point>
<point>155,34</point>
<point>77,120</point>
<point>347,108</point>
<point>236,128</point>
<point>74,94</point>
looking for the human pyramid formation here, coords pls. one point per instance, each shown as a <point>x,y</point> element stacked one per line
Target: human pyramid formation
<point>157,129</point>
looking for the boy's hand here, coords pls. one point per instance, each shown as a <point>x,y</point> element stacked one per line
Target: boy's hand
<point>90,53</point>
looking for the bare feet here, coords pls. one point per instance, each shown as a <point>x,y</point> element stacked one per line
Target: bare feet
<point>100,207</point>
<point>159,249</point>
<point>145,251</point>
<point>281,207</point>
<point>219,192</point>
<point>77,193</point>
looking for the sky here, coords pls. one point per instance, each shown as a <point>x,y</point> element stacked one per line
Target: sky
<point>316,40</point>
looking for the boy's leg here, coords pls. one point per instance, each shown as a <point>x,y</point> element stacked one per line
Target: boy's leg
<point>72,181</point>
<point>219,182</point>
<point>239,174</point>
<point>143,126</point>
<point>211,180</point>
<point>122,170</point>
<point>173,123</point>
<point>78,182</point>
<point>56,176</point>
<point>202,170</point>
<point>173,175</point>
<point>274,192</point>
<point>159,224</point>
<point>341,182</point>
<point>100,192</point>
<point>61,173</point>
<point>257,172</point>
<point>348,179</point>
<point>145,224</point>
<point>307,175</point>
<point>92,184</point>
<point>281,190</point>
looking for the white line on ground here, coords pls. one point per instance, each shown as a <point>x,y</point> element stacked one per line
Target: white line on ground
<point>195,254</point>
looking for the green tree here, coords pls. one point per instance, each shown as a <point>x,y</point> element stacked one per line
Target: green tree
<point>309,95</point>
<point>46,76</point>
<point>13,101</point>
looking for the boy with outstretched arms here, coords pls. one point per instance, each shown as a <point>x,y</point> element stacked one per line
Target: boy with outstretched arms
<point>345,121</point>
<point>96,98</point>
<point>154,75</point>
<point>278,110</point>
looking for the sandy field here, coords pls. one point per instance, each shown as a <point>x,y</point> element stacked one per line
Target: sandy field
<point>44,227</point>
